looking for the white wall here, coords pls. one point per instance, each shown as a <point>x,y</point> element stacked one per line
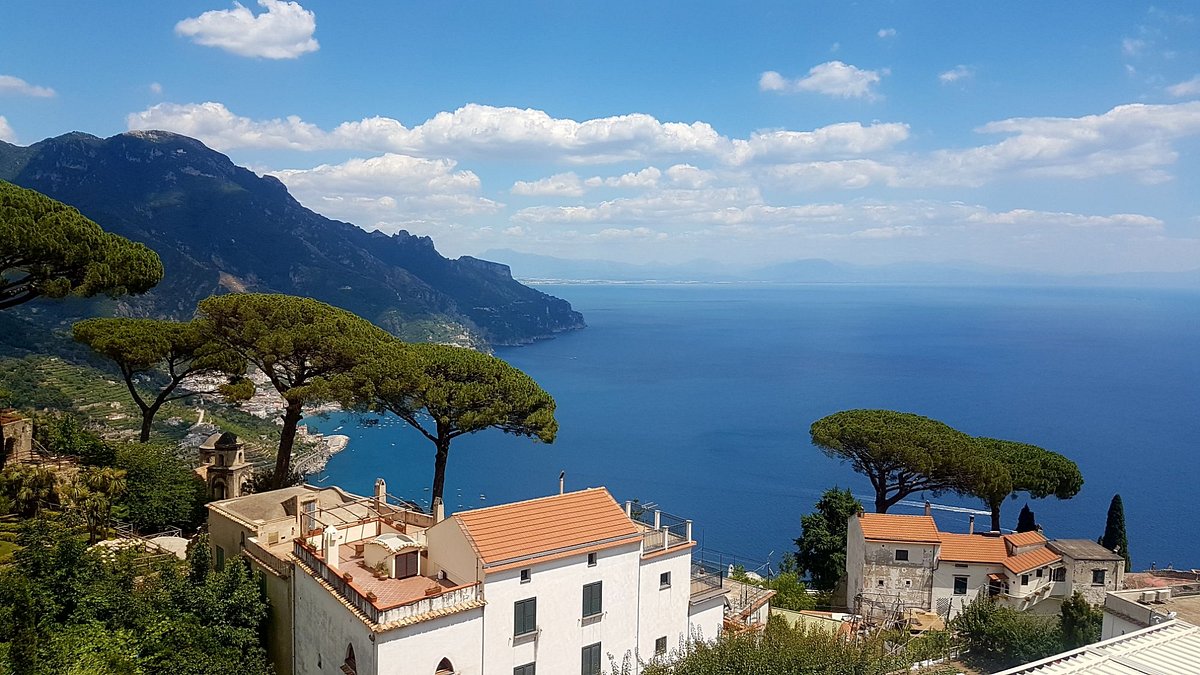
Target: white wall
<point>323,629</point>
<point>558,587</point>
<point>943,585</point>
<point>449,550</point>
<point>854,560</point>
<point>418,649</point>
<point>664,611</point>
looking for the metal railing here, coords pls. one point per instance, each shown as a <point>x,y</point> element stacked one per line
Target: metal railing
<point>660,530</point>
<point>705,580</point>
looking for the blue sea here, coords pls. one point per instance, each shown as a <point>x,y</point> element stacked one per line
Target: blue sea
<point>699,397</point>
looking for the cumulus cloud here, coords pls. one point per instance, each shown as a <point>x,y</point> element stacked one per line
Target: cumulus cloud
<point>6,131</point>
<point>389,191</point>
<point>833,78</point>
<point>834,140</point>
<point>473,130</point>
<point>10,84</point>
<point>284,31</point>
<point>956,74</point>
<point>886,32</point>
<point>559,185</point>
<point>1186,88</point>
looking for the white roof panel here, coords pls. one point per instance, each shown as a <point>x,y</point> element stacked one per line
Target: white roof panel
<point>1170,648</point>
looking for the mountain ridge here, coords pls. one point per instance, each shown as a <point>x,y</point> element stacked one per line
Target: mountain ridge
<point>220,227</point>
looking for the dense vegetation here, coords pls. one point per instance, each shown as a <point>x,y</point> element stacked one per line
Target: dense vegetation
<point>68,608</point>
<point>821,547</point>
<point>1114,537</point>
<point>1003,637</point>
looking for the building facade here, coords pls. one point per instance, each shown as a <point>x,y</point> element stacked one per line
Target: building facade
<point>897,563</point>
<point>560,584</point>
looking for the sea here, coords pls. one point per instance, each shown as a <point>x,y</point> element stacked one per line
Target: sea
<point>697,399</point>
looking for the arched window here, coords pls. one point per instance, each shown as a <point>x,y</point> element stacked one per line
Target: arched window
<point>350,667</point>
<point>445,667</point>
<point>218,491</point>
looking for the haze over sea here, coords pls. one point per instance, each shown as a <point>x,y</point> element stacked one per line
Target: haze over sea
<point>699,397</point>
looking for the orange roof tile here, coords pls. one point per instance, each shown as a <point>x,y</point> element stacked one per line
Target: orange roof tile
<point>973,548</point>
<point>891,527</point>
<point>530,529</point>
<point>1025,538</point>
<point>1038,557</point>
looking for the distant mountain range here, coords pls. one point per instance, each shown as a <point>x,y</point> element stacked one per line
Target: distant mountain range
<point>219,227</point>
<point>529,266</point>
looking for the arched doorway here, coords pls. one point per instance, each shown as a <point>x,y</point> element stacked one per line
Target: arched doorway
<point>445,667</point>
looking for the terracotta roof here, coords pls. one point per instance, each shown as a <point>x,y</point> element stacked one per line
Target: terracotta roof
<point>539,527</point>
<point>1038,557</point>
<point>1025,538</point>
<point>890,527</point>
<point>973,548</point>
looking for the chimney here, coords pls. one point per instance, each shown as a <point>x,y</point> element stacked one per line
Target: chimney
<point>562,481</point>
<point>380,491</point>
<point>439,511</point>
<point>971,526</point>
<point>329,546</point>
<point>928,508</point>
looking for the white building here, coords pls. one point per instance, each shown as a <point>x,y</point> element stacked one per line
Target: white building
<point>552,585</point>
<point>1137,608</point>
<point>900,562</point>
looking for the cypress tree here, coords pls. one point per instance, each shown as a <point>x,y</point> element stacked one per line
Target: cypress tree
<point>1114,531</point>
<point>1026,521</point>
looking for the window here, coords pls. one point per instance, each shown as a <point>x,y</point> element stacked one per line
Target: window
<point>908,583</point>
<point>444,667</point>
<point>960,585</point>
<point>664,580</point>
<point>591,660</point>
<point>1024,579</point>
<point>660,646</point>
<point>220,558</point>
<point>593,603</point>
<point>963,565</point>
<point>591,560</point>
<point>524,616</point>
<point>879,583</point>
<point>526,575</point>
<point>1098,577</point>
<point>350,665</point>
<point>1039,573</point>
<point>901,554</point>
<point>1060,574</point>
<point>527,669</point>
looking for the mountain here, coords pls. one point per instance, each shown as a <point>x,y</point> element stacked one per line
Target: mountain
<point>818,270</point>
<point>219,227</point>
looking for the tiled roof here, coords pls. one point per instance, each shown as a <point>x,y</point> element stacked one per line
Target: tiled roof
<point>1025,538</point>
<point>1170,648</point>
<point>890,527</point>
<point>973,548</point>
<point>537,527</point>
<point>1038,557</point>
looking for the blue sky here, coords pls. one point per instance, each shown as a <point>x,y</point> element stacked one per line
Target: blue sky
<point>1046,136</point>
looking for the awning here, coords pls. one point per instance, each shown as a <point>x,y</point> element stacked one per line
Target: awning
<point>997,578</point>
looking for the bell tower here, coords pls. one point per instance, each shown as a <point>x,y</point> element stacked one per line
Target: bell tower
<point>225,466</point>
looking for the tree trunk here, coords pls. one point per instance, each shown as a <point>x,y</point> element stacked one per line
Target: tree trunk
<point>287,438</point>
<point>995,517</point>
<point>439,469</point>
<point>881,502</point>
<point>147,420</point>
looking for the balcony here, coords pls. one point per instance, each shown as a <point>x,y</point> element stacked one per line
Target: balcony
<point>660,531</point>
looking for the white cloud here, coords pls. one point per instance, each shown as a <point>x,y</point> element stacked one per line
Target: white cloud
<point>559,185</point>
<point>836,140</point>
<point>889,232</point>
<point>1186,88</point>
<point>6,132</point>
<point>284,31</point>
<point>1132,46</point>
<point>156,88</point>
<point>833,78</point>
<point>956,74</point>
<point>390,191</point>
<point>850,174</point>
<point>473,130</point>
<point>10,84</point>
<point>886,32</point>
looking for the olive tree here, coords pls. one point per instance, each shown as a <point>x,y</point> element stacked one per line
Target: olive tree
<point>445,392</point>
<point>147,347</point>
<point>49,249</point>
<point>299,344</point>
